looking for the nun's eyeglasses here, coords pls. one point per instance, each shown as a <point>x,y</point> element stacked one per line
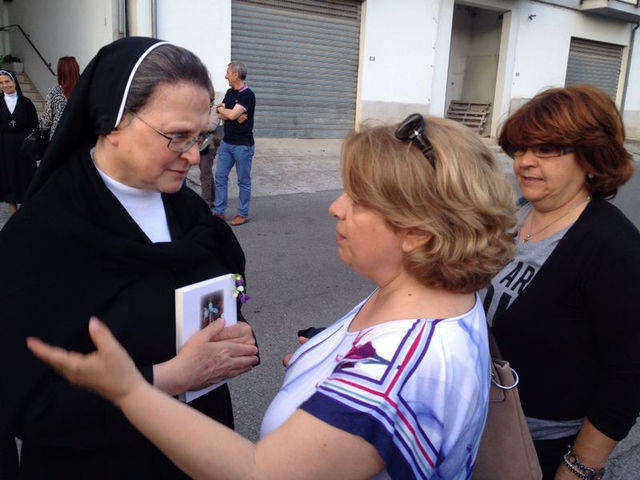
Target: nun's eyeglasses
<point>179,143</point>
<point>412,129</point>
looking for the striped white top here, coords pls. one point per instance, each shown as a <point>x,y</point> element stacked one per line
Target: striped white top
<point>416,389</point>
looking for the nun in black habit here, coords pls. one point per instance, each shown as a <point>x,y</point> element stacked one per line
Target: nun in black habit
<point>108,228</point>
<point>17,118</point>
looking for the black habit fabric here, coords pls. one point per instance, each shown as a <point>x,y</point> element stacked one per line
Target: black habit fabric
<point>16,171</point>
<point>73,251</point>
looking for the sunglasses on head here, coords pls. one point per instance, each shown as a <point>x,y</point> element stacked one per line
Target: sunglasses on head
<point>413,129</point>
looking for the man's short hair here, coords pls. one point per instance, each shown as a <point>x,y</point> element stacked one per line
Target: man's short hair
<point>240,68</point>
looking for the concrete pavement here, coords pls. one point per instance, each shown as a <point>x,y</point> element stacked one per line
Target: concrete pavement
<point>293,165</point>
<point>287,165</point>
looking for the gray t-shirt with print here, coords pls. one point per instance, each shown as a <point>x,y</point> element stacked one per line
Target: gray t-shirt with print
<point>517,274</point>
<point>505,288</point>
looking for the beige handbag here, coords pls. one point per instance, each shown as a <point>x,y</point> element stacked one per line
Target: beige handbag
<point>506,449</point>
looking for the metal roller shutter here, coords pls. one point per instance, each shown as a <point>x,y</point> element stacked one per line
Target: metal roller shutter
<point>302,61</point>
<point>595,63</point>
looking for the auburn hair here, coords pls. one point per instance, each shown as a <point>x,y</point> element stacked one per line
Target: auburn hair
<point>68,74</point>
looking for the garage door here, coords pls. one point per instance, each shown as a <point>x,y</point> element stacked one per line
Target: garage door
<point>302,61</point>
<point>595,63</point>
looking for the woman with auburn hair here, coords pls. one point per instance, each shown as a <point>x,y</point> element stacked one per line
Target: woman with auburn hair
<point>399,386</point>
<point>565,311</point>
<point>56,101</point>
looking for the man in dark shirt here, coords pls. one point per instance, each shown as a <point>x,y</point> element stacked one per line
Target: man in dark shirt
<point>237,146</point>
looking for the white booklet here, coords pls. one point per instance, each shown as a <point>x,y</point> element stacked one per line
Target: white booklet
<point>199,304</point>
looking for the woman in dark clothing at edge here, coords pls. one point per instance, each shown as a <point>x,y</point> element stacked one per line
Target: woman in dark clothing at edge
<point>109,228</point>
<point>565,311</point>
<point>17,118</point>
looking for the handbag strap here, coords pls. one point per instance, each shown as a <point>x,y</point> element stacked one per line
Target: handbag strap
<point>494,351</point>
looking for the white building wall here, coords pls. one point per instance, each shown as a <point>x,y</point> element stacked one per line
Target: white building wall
<point>542,50</point>
<point>397,58</point>
<point>64,27</point>
<point>204,27</point>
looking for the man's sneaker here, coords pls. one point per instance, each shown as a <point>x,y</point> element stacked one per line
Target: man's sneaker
<point>220,216</point>
<point>239,220</point>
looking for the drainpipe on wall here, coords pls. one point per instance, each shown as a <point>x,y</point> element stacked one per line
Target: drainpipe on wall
<point>141,18</point>
<point>626,75</point>
<point>154,18</point>
<point>122,18</point>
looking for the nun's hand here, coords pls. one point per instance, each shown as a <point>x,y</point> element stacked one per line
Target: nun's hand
<point>204,360</point>
<point>109,370</point>
<point>240,332</point>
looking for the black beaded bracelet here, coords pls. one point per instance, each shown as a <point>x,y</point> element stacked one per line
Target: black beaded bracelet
<point>580,470</point>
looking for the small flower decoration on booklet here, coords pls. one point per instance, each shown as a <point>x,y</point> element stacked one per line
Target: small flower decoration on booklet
<point>240,292</point>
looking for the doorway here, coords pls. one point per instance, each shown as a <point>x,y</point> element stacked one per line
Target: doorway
<point>473,66</point>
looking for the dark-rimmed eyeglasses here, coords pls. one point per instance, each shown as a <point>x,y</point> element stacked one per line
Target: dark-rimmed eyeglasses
<point>413,130</point>
<point>540,151</point>
<point>179,143</point>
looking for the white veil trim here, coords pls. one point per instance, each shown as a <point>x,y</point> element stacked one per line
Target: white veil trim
<point>133,72</point>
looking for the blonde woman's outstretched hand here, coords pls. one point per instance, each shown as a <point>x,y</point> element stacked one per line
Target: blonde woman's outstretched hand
<point>109,370</point>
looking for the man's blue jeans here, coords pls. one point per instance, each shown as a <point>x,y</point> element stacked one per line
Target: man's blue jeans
<point>241,156</point>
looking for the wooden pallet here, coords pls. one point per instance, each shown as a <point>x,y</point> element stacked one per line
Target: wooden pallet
<point>472,114</point>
